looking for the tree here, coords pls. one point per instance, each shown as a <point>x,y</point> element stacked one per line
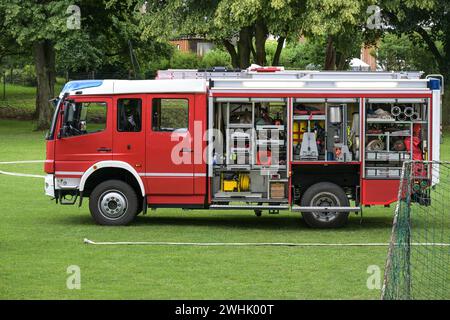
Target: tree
<point>241,27</point>
<point>429,21</point>
<point>342,23</point>
<point>35,26</point>
<point>255,21</point>
<point>400,53</point>
<point>107,32</point>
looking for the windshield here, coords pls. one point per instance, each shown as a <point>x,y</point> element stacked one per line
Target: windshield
<point>51,133</point>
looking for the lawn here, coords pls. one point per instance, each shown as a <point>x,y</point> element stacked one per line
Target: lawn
<point>20,101</point>
<point>39,240</point>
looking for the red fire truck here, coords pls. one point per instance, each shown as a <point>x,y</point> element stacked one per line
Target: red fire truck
<point>321,143</point>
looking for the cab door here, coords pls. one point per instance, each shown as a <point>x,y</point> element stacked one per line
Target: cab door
<point>169,162</point>
<point>86,137</point>
<point>129,131</point>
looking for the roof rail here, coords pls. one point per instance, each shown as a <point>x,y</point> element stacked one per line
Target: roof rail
<point>280,74</point>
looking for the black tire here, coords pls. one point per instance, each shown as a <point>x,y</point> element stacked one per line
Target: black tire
<point>325,194</point>
<point>113,203</point>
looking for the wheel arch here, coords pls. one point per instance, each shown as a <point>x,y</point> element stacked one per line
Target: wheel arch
<point>105,170</point>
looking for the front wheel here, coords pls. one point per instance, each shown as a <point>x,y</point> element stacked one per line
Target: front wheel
<point>113,203</point>
<point>325,194</point>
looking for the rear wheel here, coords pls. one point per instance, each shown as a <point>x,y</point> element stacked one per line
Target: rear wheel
<point>113,203</point>
<point>325,194</point>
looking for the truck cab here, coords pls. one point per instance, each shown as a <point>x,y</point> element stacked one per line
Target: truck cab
<point>114,141</point>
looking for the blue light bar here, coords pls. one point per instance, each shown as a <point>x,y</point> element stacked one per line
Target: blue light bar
<point>434,84</point>
<point>82,84</point>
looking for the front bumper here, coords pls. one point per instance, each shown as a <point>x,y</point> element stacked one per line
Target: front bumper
<point>50,185</point>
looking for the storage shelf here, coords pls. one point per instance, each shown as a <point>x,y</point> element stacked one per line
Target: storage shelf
<point>323,162</point>
<point>238,166</point>
<point>269,127</point>
<point>311,118</point>
<point>386,134</point>
<point>270,142</point>
<point>370,120</point>
<point>240,126</point>
<point>273,167</point>
<point>245,149</point>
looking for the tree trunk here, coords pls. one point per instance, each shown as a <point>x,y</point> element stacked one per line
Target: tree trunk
<point>340,61</point>
<point>260,42</point>
<point>277,55</point>
<point>44,58</point>
<point>232,52</point>
<point>330,56</point>
<point>244,47</point>
<point>252,49</point>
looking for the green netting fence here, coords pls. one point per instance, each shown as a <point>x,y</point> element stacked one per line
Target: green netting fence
<point>418,261</point>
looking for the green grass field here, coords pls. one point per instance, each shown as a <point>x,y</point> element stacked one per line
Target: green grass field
<point>20,101</point>
<point>39,240</point>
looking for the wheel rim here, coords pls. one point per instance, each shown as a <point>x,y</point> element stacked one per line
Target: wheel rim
<point>325,199</point>
<point>112,204</point>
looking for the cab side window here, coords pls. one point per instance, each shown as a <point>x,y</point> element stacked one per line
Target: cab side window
<point>129,115</point>
<point>84,118</point>
<point>170,115</point>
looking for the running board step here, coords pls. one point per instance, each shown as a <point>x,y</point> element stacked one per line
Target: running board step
<point>326,209</point>
<point>243,207</point>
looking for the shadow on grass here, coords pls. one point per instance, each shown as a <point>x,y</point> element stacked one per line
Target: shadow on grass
<point>230,221</point>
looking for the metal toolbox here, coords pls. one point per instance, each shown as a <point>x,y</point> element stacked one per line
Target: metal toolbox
<point>383,172</point>
<point>387,156</point>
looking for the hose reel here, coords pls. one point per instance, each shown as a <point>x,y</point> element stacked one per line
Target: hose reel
<point>235,182</point>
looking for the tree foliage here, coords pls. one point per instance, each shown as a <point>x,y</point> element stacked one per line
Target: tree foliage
<point>425,21</point>
<point>109,35</point>
<point>400,53</point>
<point>241,27</point>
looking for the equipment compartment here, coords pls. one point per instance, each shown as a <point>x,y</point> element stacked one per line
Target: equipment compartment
<point>325,129</point>
<point>395,130</point>
<point>251,164</point>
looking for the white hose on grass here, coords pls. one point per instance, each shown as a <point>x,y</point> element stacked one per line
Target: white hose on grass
<point>20,162</point>
<point>255,244</point>
<point>16,174</point>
